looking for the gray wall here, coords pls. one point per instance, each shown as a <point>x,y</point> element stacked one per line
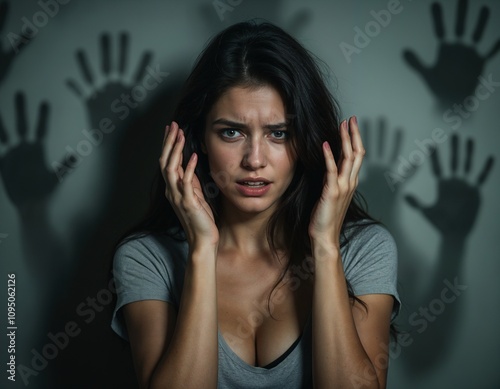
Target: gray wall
<point>57,235</point>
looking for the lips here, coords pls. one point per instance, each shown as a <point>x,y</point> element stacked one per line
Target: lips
<point>252,183</point>
<point>253,187</point>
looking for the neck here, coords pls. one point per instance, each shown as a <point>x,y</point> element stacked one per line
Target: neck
<point>246,233</point>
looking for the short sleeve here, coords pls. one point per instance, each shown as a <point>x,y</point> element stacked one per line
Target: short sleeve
<point>146,268</point>
<point>370,261</point>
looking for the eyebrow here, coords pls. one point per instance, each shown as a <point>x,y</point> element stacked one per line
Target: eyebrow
<point>233,124</point>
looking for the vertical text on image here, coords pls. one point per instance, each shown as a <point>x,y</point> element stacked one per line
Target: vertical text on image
<point>11,326</point>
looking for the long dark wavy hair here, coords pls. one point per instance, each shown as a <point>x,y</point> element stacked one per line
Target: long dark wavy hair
<point>253,54</point>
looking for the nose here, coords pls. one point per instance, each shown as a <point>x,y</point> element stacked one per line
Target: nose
<point>254,156</point>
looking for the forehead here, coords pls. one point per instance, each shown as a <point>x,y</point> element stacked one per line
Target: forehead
<point>247,104</point>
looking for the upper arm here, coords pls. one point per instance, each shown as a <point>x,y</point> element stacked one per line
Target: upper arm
<point>150,326</point>
<point>373,327</point>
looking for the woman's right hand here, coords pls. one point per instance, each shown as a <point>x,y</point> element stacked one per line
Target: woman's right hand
<point>183,191</point>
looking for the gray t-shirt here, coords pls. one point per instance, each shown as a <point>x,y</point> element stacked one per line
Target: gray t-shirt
<point>152,268</point>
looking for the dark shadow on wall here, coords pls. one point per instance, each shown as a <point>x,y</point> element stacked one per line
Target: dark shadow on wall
<point>425,342</point>
<point>457,70</point>
<point>98,357</point>
<point>77,295</point>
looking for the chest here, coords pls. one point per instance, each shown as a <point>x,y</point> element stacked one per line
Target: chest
<point>259,321</point>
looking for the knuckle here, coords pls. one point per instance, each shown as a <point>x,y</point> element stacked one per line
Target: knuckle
<point>170,169</point>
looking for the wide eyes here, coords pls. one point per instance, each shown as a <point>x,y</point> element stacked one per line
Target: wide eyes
<point>280,134</point>
<point>232,134</point>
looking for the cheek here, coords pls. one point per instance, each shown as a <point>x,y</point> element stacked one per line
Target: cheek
<point>287,166</point>
<point>221,164</point>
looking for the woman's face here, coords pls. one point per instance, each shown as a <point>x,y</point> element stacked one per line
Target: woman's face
<point>248,149</point>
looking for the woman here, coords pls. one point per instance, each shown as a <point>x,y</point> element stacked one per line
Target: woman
<point>257,268</point>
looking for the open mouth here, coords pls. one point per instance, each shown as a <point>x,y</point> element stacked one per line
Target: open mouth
<point>253,183</point>
<point>253,187</point>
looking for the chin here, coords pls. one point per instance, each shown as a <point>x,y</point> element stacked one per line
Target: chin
<point>252,206</point>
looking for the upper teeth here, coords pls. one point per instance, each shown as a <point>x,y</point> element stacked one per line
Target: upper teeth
<point>253,183</point>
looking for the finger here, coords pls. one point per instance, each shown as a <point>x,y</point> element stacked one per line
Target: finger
<point>22,43</point>
<point>141,69</point>
<point>357,147</point>
<point>413,61</point>
<point>460,23</point>
<point>436,166</point>
<point>468,155</point>
<point>454,154</point>
<point>75,87</point>
<point>413,202</point>
<point>4,137</point>
<point>170,138</point>
<point>174,170</point>
<point>365,130</point>
<point>81,58</point>
<point>181,158</point>
<point>187,180</point>
<point>486,171</point>
<point>167,128</point>
<point>41,128</point>
<point>382,129</point>
<point>172,149</point>
<point>437,17</point>
<point>22,125</point>
<point>481,24</point>
<point>345,167</point>
<point>398,141</point>
<point>4,9</point>
<point>331,167</point>
<point>493,51</point>
<point>122,60</point>
<point>106,53</point>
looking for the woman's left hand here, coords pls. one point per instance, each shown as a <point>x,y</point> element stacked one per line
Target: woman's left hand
<point>339,187</point>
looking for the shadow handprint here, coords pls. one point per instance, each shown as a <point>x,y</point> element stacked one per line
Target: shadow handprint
<point>379,193</point>
<point>114,100</point>
<point>455,210</point>
<point>27,179</point>
<point>454,75</point>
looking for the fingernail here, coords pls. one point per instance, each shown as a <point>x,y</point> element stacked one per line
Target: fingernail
<point>167,129</point>
<point>355,120</point>
<point>326,145</point>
